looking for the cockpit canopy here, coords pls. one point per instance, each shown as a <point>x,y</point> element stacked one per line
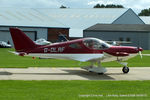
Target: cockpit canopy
<point>96,44</point>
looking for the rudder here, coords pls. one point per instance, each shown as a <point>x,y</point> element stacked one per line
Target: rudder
<point>21,41</point>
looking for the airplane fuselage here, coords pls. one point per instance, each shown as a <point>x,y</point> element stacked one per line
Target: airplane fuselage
<point>80,50</point>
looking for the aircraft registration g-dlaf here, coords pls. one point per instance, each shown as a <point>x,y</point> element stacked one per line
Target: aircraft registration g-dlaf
<point>85,49</point>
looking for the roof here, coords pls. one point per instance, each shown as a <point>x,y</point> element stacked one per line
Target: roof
<point>146,19</point>
<point>80,19</point>
<point>119,27</point>
<point>75,19</point>
<point>25,17</point>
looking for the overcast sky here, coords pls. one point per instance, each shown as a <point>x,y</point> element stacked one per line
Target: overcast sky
<point>136,5</point>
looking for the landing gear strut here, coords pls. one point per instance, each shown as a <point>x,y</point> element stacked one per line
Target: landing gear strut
<point>125,69</point>
<point>97,69</point>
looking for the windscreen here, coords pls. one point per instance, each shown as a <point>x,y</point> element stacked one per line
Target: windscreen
<point>96,44</point>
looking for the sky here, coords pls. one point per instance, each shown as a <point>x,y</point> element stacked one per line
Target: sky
<point>136,5</point>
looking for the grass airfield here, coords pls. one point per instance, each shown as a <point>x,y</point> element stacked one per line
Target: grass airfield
<point>69,89</point>
<point>10,60</point>
<point>74,90</point>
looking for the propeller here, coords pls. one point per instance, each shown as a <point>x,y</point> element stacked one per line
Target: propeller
<point>140,53</point>
<point>139,49</point>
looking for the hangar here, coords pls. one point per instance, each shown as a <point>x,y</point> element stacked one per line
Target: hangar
<point>137,34</point>
<point>48,23</point>
<point>80,19</point>
<point>146,19</point>
<point>31,22</point>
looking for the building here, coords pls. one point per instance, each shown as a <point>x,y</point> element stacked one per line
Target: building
<point>137,34</point>
<point>146,19</point>
<point>127,27</point>
<point>79,19</point>
<point>50,23</point>
<point>48,33</point>
<point>35,24</point>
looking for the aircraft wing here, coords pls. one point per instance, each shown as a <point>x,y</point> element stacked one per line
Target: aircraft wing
<point>87,57</point>
<point>77,57</point>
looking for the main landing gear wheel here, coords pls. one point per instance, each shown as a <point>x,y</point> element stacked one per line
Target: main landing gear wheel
<point>125,69</point>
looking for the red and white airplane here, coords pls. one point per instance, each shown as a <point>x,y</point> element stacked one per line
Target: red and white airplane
<point>85,49</point>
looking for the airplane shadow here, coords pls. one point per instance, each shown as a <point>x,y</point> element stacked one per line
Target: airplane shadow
<point>89,75</point>
<point>5,73</point>
<point>115,74</point>
<point>81,73</point>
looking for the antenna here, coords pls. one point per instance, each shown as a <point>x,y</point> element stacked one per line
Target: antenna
<point>62,37</point>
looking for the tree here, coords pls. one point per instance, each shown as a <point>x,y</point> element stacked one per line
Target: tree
<point>63,6</point>
<point>145,12</point>
<point>108,6</point>
<point>99,6</point>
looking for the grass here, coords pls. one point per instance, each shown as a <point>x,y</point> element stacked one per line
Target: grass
<point>74,90</point>
<point>10,60</point>
<point>69,90</point>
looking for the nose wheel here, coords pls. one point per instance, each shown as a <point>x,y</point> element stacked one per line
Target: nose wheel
<point>125,69</point>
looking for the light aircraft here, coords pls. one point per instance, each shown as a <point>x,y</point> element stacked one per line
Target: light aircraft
<point>42,42</point>
<point>4,45</point>
<point>86,49</point>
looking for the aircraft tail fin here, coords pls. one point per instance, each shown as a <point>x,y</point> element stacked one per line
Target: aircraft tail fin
<point>21,41</point>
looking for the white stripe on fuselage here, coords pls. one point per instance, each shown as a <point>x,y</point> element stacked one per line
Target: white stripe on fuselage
<point>78,57</point>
